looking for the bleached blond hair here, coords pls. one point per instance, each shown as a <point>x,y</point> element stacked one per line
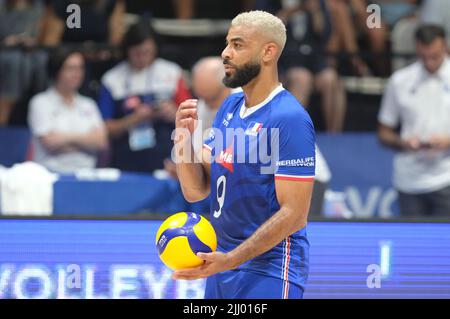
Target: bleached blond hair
<point>265,23</point>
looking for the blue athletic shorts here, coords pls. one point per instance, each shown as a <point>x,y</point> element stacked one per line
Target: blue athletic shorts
<point>239,284</point>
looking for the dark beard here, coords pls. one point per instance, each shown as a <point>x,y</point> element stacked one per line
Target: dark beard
<point>242,75</point>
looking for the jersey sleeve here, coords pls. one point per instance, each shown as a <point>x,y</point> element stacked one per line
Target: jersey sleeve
<point>296,152</point>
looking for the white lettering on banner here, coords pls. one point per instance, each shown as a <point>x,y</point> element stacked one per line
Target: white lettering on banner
<point>190,289</point>
<point>38,274</point>
<point>89,279</point>
<point>5,276</point>
<point>157,282</point>
<point>378,202</point>
<point>116,281</point>
<point>385,258</point>
<point>124,280</point>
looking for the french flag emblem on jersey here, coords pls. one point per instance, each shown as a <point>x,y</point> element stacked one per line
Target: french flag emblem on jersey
<point>253,128</point>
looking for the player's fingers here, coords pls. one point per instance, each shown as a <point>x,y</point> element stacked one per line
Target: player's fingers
<point>188,112</point>
<point>191,103</point>
<point>187,276</point>
<point>180,277</point>
<point>186,122</point>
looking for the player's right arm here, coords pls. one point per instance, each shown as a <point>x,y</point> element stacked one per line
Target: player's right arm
<point>194,175</point>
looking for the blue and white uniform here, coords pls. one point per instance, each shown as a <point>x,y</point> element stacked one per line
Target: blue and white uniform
<point>280,132</point>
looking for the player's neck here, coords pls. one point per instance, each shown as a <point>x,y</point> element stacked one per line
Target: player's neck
<point>257,90</point>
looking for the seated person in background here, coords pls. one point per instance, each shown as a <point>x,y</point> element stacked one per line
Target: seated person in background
<point>102,21</point>
<point>138,100</point>
<point>392,11</point>
<point>305,62</point>
<point>417,98</point>
<point>67,127</point>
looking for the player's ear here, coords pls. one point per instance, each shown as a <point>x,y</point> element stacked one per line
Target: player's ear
<point>270,52</point>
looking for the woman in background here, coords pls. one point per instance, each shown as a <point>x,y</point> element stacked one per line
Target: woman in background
<point>67,127</point>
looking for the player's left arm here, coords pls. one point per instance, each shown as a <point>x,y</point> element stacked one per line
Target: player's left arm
<point>294,198</point>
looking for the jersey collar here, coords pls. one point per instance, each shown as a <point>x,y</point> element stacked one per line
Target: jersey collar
<point>244,112</point>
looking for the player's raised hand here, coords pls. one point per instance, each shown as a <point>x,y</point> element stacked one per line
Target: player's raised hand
<point>186,116</point>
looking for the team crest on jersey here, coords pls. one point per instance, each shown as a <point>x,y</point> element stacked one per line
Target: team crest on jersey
<point>225,158</point>
<point>253,128</point>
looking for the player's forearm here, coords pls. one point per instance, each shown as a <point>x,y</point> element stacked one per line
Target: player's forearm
<point>192,175</point>
<point>284,223</point>
<point>193,181</point>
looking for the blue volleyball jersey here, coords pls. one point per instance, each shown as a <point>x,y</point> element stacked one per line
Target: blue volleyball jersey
<point>274,140</point>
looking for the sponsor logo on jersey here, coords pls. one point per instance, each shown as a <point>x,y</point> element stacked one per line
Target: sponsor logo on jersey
<point>225,158</point>
<point>299,162</point>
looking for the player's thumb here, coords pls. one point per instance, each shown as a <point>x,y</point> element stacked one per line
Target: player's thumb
<point>204,256</point>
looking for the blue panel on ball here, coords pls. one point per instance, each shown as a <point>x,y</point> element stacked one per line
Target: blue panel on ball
<point>167,236</point>
<point>192,220</point>
<point>187,230</point>
<point>196,244</point>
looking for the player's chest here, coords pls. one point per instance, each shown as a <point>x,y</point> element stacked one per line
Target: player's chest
<point>241,144</point>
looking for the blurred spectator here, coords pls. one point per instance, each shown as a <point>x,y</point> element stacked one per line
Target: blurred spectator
<point>344,38</point>
<point>190,9</point>
<point>21,65</point>
<point>392,11</point>
<point>418,99</point>
<point>207,75</point>
<point>67,127</point>
<point>138,100</point>
<point>350,19</point>
<point>305,61</point>
<point>102,21</point>
<point>437,12</point>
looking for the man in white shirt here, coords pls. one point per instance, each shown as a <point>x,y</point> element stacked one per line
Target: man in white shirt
<point>417,99</point>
